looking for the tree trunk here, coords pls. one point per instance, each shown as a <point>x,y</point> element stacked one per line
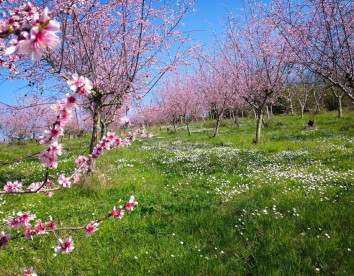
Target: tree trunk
<point>174,125</point>
<point>189,131</point>
<point>302,112</point>
<point>340,108</point>
<point>103,129</point>
<point>234,118</point>
<point>267,109</point>
<point>255,113</point>
<point>218,121</point>
<point>291,107</point>
<point>259,126</point>
<point>96,128</point>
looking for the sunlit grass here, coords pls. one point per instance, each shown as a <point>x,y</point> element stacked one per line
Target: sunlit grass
<point>207,206</point>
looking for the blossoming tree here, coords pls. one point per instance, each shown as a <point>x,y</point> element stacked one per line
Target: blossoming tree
<point>123,47</point>
<point>33,33</point>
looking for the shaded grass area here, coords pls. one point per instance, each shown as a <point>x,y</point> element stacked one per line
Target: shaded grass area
<point>207,206</point>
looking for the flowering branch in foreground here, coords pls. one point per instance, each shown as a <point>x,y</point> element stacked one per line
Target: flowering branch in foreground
<point>23,219</point>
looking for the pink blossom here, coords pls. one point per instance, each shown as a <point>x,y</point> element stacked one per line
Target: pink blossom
<point>49,194</point>
<point>65,247</point>
<point>111,136</point>
<point>28,272</point>
<point>80,160</point>
<point>34,186</point>
<point>4,239</point>
<point>50,183</point>
<point>37,41</point>
<point>64,181</point>
<point>56,132</point>
<point>55,149</point>
<point>13,187</point>
<point>29,232</point>
<point>91,228</point>
<point>76,82</point>
<point>48,159</point>
<point>51,224</point>
<point>117,142</point>
<point>131,204</point>
<point>70,101</point>
<point>14,222</point>
<point>122,134</point>
<point>25,217</point>
<point>40,228</point>
<point>86,88</point>
<point>80,85</point>
<point>117,213</point>
<point>132,136</point>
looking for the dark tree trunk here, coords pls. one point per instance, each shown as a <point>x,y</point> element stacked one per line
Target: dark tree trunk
<point>96,127</point>
<point>174,125</point>
<point>218,121</point>
<point>234,118</point>
<point>189,131</point>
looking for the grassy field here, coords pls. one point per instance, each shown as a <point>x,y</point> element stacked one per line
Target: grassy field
<point>207,206</point>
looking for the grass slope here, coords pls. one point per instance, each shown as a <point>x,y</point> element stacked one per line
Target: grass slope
<point>207,206</point>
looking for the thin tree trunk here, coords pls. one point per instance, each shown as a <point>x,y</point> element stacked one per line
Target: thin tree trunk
<point>302,112</point>
<point>95,129</point>
<point>255,113</point>
<point>259,126</point>
<point>267,109</point>
<point>218,121</point>
<point>234,118</point>
<point>340,108</point>
<point>189,131</point>
<point>291,107</point>
<point>217,127</point>
<point>174,125</point>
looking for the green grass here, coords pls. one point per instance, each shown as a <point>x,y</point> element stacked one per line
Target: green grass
<point>207,206</point>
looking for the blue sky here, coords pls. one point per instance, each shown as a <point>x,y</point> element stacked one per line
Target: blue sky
<point>208,15</point>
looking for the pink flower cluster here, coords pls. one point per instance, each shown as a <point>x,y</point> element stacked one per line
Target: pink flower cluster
<point>91,228</point>
<point>108,143</point>
<point>22,220</point>
<point>80,85</point>
<point>39,229</point>
<point>131,204</point>
<point>28,272</point>
<point>35,31</point>
<point>82,160</point>
<point>13,187</point>
<point>65,247</point>
<point>50,137</point>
